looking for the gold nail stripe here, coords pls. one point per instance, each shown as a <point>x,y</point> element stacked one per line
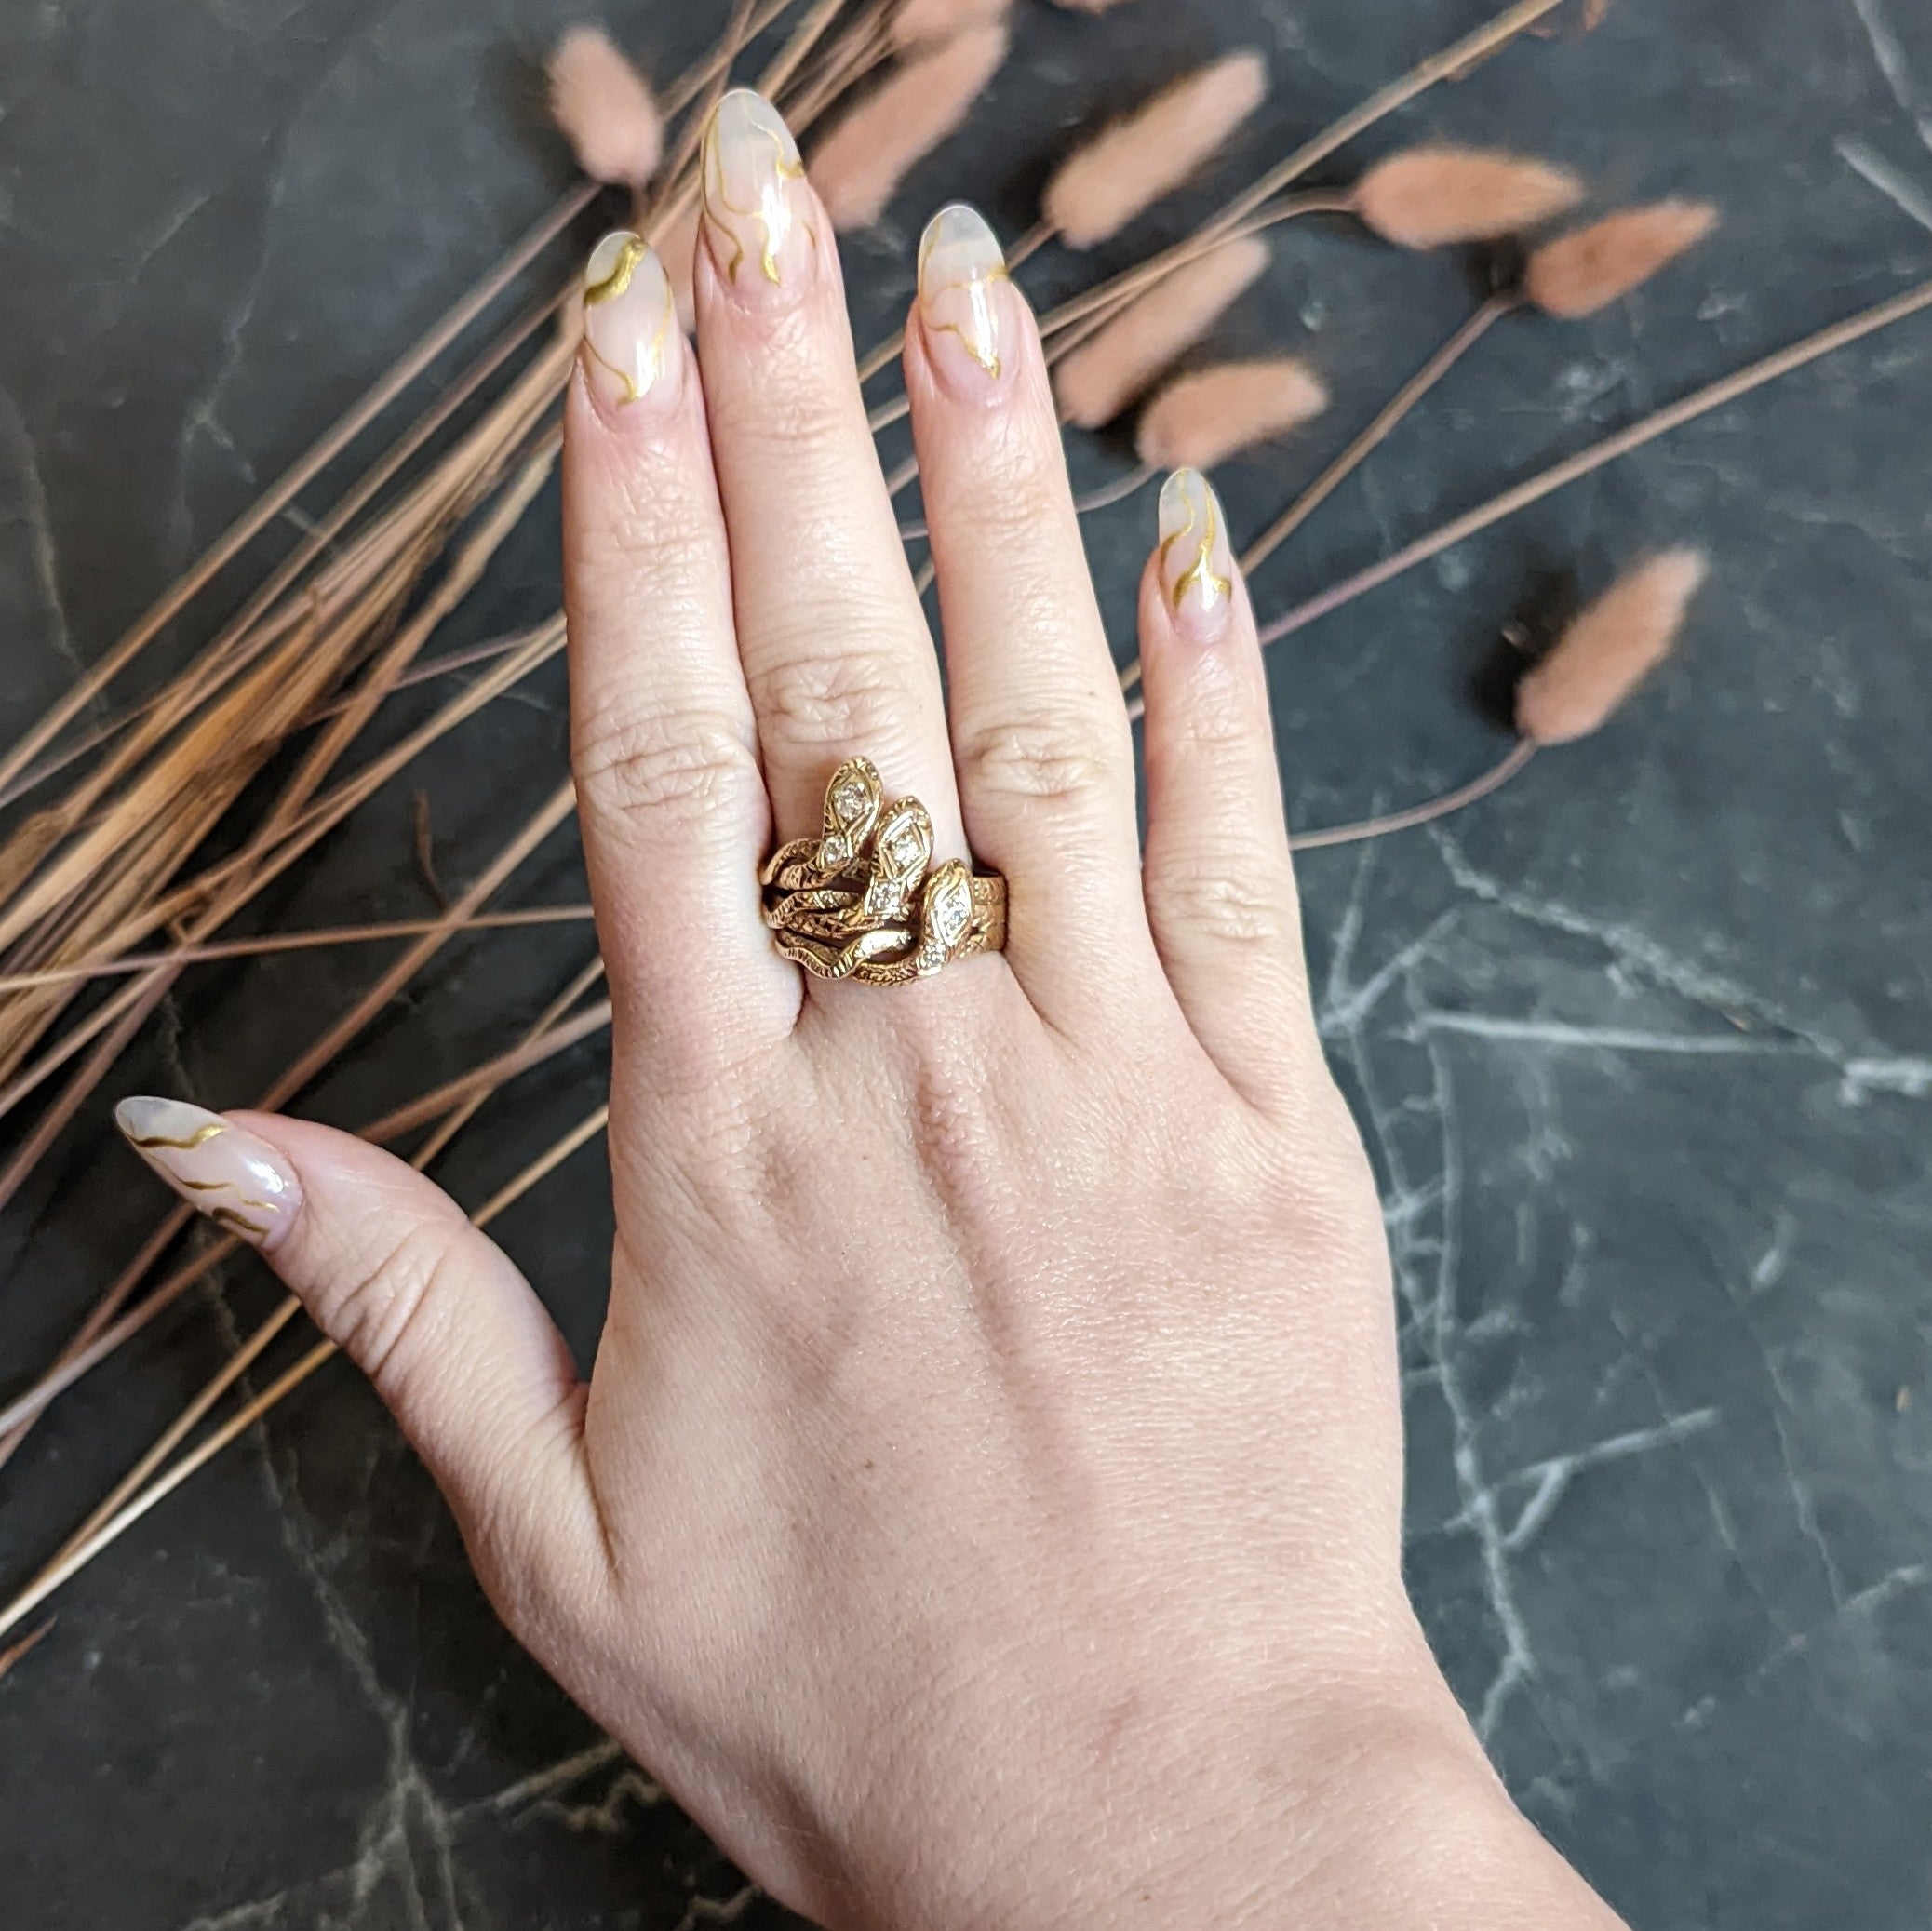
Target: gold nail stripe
<point>714,197</point>
<point>225,1186</point>
<point>200,1137</point>
<point>988,359</point>
<point>1201,572</point>
<point>619,279</point>
<point>632,392</point>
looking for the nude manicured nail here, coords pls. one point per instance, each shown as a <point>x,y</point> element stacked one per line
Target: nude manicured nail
<point>960,300</point>
<point>629,319</point>
<point>758,222</point>
<point>1196,564</point>
<point>234,1176</point>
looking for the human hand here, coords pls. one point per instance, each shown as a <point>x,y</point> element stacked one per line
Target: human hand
<point>984,1507</point>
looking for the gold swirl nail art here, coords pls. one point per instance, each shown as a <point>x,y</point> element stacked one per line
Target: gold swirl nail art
<point>961,268</point>
<point>234,1176</point>
<point>1197,565</point>
<point>628,311</point>
<point>751,185</point>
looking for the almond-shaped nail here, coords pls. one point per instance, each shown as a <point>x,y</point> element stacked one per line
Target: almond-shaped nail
<point>1197,563</point>
<point>630,319</point>
<point>759,221</point>
<point>961,299</point>
<point>234,1176</point>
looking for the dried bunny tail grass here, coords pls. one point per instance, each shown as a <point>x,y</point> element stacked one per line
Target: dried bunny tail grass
<point>1204,419</point>
<point>1101,377</point>
<point>1432,197</point>
<point>1101,186</point>
<point>1608,651</point>
<point>920,23</point>
<point>605,109</point>
<point>857,167</point>
<point>1577,275</point>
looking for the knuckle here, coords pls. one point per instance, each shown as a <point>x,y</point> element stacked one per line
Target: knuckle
<point>382,1318</point>
<point>812,698</point>
<point>1224,904</point>
<point>681,765</point>
<point>1040,755</point>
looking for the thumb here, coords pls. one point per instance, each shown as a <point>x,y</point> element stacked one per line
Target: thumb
<point>455,1342</point>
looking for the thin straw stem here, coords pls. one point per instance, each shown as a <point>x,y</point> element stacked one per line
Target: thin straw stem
<point>532,1052</point>
<point>281,493</point>
<point>550,1021</point>
<point>1490,780</point>
<point>164,1485</point>
<point>321,818</point>
<point>535,830</point>
<point>232,1370</point>
<point>293,942</point>
<point>344,431</point>
<point>1447,65</point>
<point>1401,405</point>
<point>1741,383</point>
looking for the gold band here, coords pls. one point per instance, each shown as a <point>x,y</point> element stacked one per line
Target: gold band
<point>864,900</point>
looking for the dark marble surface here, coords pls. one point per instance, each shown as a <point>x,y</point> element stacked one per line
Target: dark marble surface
<point>1643,1048</point>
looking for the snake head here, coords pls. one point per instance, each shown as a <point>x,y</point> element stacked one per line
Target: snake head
<point>902,848</point>
<point>853,800</point>
<point>946,914</point>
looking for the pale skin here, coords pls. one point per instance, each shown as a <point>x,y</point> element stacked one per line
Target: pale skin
<point>984,1507</point>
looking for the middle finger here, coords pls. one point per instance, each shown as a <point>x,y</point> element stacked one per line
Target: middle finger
<point>835,644</point>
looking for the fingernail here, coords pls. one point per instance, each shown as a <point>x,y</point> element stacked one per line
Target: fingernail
<point>628,318</point>
<point>234,1176</point>
<point>757,216</point>
<point>1197,565</point>
<point>960,271</point>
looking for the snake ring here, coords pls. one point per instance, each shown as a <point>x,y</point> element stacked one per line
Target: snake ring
<point>865,901</point>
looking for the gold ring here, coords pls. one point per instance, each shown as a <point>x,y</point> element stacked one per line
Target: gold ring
<point>864,899</point>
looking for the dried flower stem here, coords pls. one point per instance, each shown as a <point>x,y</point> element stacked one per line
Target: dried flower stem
<point>1485,40</point>
<point>1490,780</point>
<point>1730,388</point>
<point>281,493</point>
<point>532,834</point>
<point>15,1651</point>
<point>1401,405</point>
<point>184,1424</point>
<point>269,943</point>
<point>261,862</point>
<point>1358,452</point>
<point>119,1524</point>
